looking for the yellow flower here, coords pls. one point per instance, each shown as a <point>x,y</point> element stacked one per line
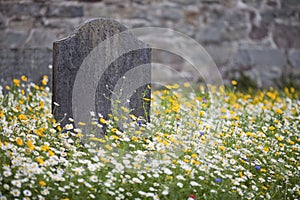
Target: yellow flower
<point>1,114</point>
<point>271,128</point>
<point>42,183</point>
<point>196,162</point>
<point>22,117</point>
<point>194,155</point>
<point>125,109</point>
<point>279,138</point>
<point>292,90</point>
<point>19,141</point>
<point>16,82</point>
<point>40,131</point>
<point>175,86</point>
<point>264,188</point>
<point>7,87</point>
<point>166,143</point>
<point>24,78</point>
<point>168,111</point>
<point>134,138</point>
<point>81,124</point>
<point>241,174</point>
<point>280,144</point>
<point>249,134</point>
<point>222,148</point>
<point>201,113</point>
<point>79,135</point>
<point>45,147</point>
<point>202,88</point>
<point>42,105</point>
<point>59,128</point>
<point>234,82</point>
<point>108,147</point>
<point>40,161</point>
<point>97,139</point>
<point>266,149</point>
<point>133,117</point>
<point>51,153</point>
<point>115,137</point>
<point>45,80</point>
<point>30,144</point>
<point>186,85</point>
<point>176,107</point>
<point>291,142</point>
<point>263,170</point>
<point>146,99</point>
<point>103,121</point>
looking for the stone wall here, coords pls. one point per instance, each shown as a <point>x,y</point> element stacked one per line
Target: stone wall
<point>257,38</point>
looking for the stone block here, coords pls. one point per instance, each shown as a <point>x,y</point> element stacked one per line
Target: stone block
<point>212,33</point>
<point>294,58</point>
<point>221,54</point>
<point>171,13</point>
<point>64,11</point>
<point>34,63</point>
<point>286,4</point>
<point>67,24</point>
<point>10,9</point>
<point>288,15</point>
<point>13,39</point>
<point>258,32</point>
<point>287,36</point>
<point>41,38</point>
<point>260,56</point>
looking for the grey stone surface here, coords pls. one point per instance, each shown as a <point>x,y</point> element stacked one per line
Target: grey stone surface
<point>64,11</point>
<point>11,9</point>
<point>291,15</point>
<point>221,54</point>
<point>70,53</point>
<point>66,24</point>
<point>34,63</point>
<point>260,56</point>
<point>212,33</point>
<point>40,38</point>
<point>271,23</point>
<point>171,13</point>
<point>291,4</point>
<point>294,58</point>
<point>13,39</point>
<point>2,21</point>
<point>287,36</point>
<point>258,32</point>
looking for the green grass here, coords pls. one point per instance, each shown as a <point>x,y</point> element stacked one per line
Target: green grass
<point>241,145</point>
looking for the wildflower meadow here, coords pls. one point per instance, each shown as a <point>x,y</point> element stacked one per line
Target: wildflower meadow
<point>236,145</point>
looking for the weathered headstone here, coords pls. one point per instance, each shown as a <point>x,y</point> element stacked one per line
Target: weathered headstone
<point>81,79</point>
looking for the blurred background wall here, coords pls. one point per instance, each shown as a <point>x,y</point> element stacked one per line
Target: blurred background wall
<point>254,41</point>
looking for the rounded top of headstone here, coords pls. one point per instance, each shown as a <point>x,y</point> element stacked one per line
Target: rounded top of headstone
<point>96,28</point>
<point>101,23</point>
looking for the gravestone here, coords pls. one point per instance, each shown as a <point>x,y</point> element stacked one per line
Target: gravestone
<point>90,63</point>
